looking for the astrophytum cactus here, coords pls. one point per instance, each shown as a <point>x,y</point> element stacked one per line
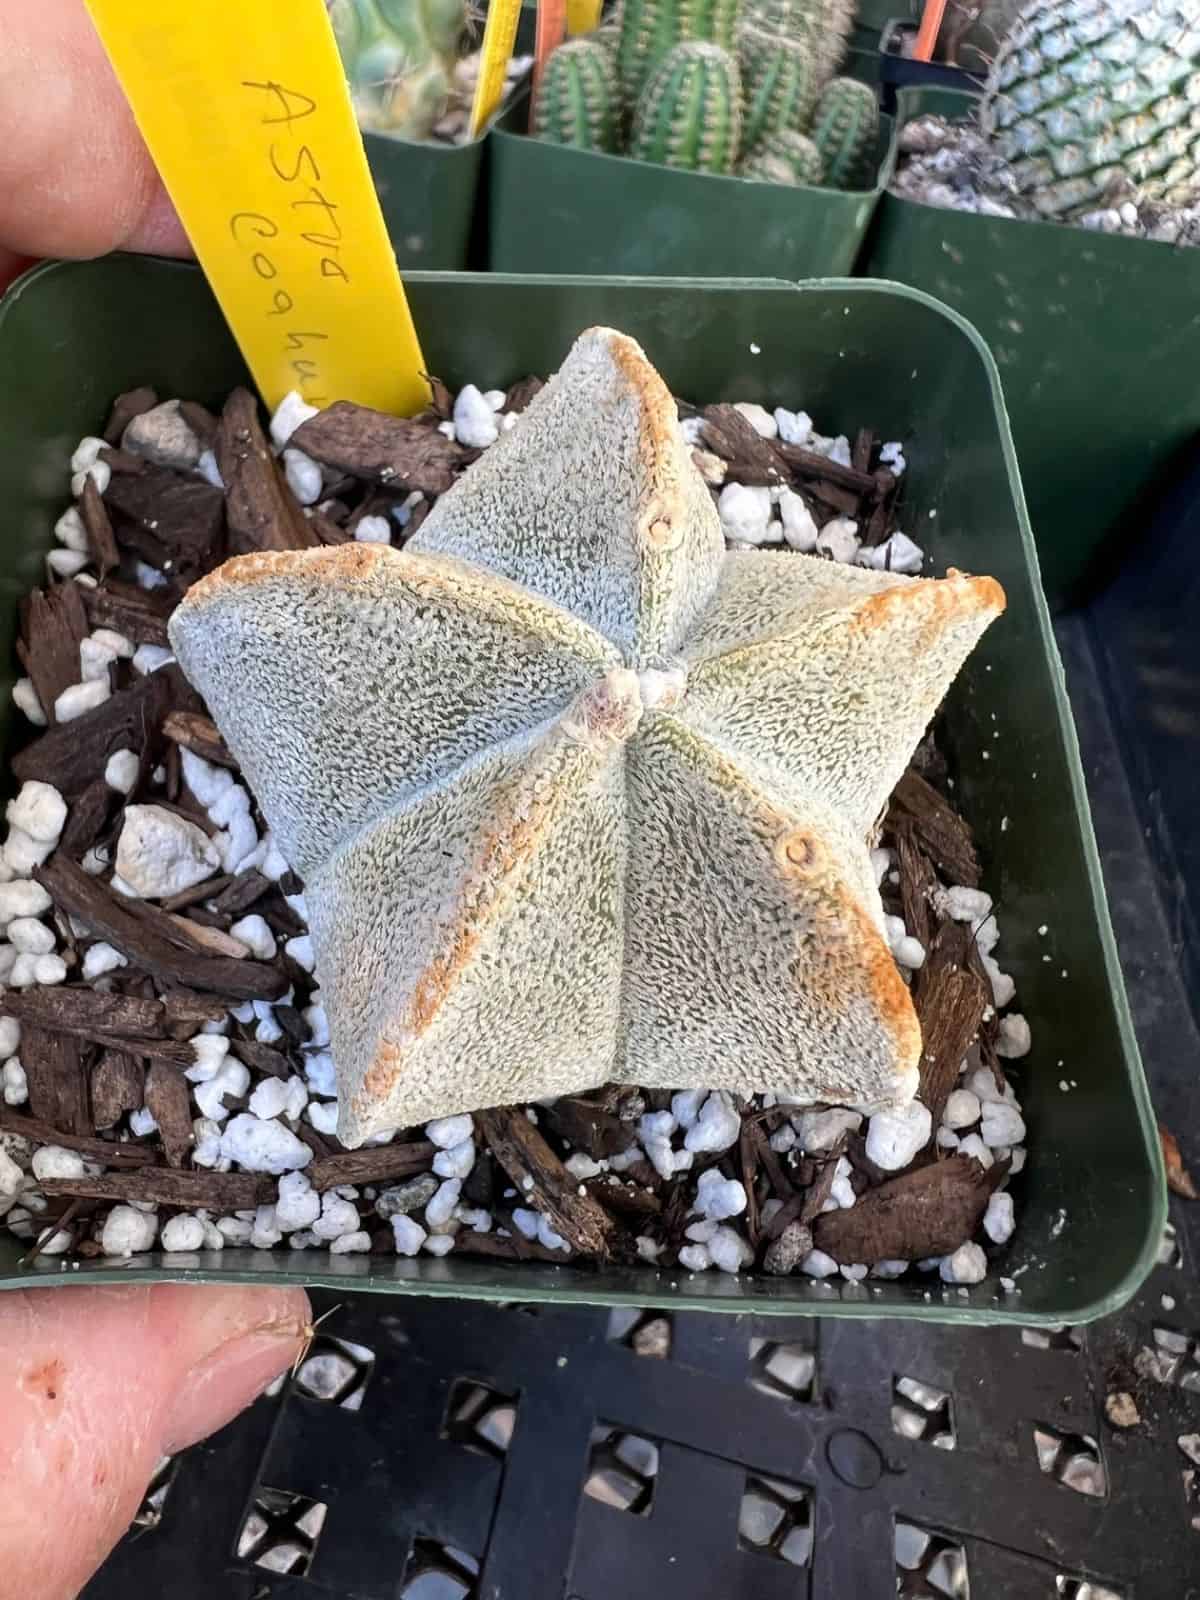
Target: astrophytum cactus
<point>576,796</point>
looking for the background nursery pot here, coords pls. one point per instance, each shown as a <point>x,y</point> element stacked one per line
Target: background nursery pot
<point>427,191</point>
<point>899,71</point>
<point>1097,338</point>
<point>1091,1200</point>
<point>556,209</point>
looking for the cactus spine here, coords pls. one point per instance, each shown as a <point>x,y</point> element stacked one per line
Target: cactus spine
<point>785,157</point>
<point>1085,97</point>
<point>399,57</point>
<point>577,101</point>
<point>845,129</point>
<point>779,76</point>
<point>690,112</point>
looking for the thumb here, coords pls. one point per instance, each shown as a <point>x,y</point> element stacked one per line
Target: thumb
<point>96,1385</point>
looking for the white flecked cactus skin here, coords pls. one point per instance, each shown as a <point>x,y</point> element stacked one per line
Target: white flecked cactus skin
<point>1088,94</point>
<point>575,795</point>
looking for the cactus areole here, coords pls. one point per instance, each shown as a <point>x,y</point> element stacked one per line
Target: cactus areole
<point>1090,99</point>
<point>576,795</point>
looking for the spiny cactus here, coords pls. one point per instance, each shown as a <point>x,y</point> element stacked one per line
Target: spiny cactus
<point>690,112</point>
<point>845,129</point>
<point>779,77</point>
<point>825,25</point>
<point>1083,97</point>
<point>649,28</point>
<point>785,157</point>
<point>699,105</point>
<point>399,58</point>
<point>578,101</point>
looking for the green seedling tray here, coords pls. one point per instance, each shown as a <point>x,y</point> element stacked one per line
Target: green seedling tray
<point>1091,1201</point>
<point>1098,342</point>
<point>553,209</point>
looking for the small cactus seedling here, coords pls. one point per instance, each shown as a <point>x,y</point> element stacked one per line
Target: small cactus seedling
<point>578,101</point>
<point>794,154</point>
<point>690,112</point>
<point>845,129</point>
<point>779,76</point>
<point>399,58</point>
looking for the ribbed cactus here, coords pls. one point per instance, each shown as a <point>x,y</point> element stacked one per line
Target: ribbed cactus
<point>824,25</point>
<point>649,28</point>
<point>779,78</point>
<point>845,129</point>
<point>399,58</point>
<point>690,112</point>
<point>578,101</point>
<point>1083,95</point>
<point>784,157</point>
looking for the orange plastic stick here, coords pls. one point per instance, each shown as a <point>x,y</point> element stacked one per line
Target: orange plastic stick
<point>931,22</point>
<point>551,31</point>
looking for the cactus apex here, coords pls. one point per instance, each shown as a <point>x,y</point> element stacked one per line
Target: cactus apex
<point>578,101</point>
<point>690,112</point>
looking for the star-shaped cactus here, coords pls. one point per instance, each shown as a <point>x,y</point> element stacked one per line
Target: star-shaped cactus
<point>576,795</point>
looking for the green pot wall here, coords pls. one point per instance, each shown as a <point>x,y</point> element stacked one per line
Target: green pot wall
<point>428,193</point>
<point>1097,339</point>
<point>853,353</point>
<point>558,210</point>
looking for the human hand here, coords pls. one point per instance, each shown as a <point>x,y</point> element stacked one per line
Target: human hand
<point>96,1385</point>
<point>75,177</point>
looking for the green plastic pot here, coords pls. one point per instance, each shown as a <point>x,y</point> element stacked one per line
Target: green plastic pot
<point>427,192</point>
<point>1091,1200</point>
<point>558,210</point>
<point>1098,343</point>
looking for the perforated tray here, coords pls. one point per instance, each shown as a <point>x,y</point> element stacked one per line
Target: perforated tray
<point>442,1451</point>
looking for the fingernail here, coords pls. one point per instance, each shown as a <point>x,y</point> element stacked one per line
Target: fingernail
<point>158,230</point>
<point>237,1349</point>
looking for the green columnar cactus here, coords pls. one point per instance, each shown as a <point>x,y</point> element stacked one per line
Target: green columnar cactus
<point>690,112</point>
<point>399,57</point>
<point>845,129</point>
<point>824,25</point>
<point>578,102</point>
<point>649,28</point>
<point>784,157</point>
<point>779,76</point>
<point>1082,97</point>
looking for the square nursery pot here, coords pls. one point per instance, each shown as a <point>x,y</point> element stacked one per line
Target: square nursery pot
<point>555,209</point>
<point>1091,1200</point>
<point>1097,339</point>
<point>899,71</point>
<point>427,192</point>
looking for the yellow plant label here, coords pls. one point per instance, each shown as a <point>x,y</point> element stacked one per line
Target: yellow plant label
<point>499,37</point>
<point>583,16</point>
<point>246,112</point>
